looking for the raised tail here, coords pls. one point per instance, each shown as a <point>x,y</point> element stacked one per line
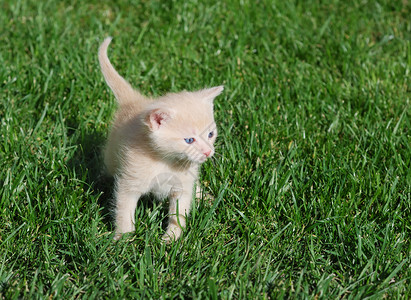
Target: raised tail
<point>122,90</point>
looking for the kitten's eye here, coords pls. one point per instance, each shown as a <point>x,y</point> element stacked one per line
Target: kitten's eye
<point>210,135</point>
<point>190,140</point>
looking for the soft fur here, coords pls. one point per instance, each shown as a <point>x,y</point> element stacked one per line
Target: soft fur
<point>147,152</point>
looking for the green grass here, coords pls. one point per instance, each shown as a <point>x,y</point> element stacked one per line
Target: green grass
<point>312,179</point>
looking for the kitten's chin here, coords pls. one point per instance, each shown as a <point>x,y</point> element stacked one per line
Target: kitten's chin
<point>201,160</point>
<point>196,160</point>
<point>183,159</point>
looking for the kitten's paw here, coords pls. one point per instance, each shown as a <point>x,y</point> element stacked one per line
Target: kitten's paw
<point>171,234</point>
<point>117,236</point>
<point>202,195</point>
<point>167,239</point>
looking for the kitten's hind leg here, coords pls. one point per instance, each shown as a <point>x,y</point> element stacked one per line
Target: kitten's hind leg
<point>126,202</point>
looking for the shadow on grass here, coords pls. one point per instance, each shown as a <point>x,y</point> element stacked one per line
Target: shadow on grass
<point>87,164</point>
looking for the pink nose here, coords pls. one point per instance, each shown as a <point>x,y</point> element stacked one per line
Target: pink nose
<point>207,153</point>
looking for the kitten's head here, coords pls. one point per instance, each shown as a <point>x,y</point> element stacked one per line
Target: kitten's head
<point>181,125</point>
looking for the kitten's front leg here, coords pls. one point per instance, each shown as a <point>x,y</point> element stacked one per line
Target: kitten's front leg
<point>126,202</point>
<point>179,209</point>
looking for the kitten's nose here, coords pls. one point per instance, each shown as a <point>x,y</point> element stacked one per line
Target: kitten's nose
<point>207,153</point>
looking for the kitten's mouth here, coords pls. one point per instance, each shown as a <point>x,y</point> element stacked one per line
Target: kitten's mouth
<point>202,159</point>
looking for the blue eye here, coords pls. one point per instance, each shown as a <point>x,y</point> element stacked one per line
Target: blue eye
<point>210,135</point>
<point>190,140</point>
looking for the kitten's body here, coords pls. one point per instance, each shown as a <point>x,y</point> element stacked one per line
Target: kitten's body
<point>156,146</point>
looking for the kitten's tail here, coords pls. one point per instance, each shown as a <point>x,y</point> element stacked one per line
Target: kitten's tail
<point>122,90</point>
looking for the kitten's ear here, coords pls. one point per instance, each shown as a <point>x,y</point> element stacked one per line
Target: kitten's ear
<point>157,118</point>
<point>211,93</point>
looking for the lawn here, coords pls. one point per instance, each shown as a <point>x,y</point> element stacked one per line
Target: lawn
<point>311,180</point>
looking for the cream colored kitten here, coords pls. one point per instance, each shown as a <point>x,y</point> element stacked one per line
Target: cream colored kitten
<point>156,146</point>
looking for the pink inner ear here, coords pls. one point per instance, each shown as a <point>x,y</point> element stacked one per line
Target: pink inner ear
<point>157,118</point>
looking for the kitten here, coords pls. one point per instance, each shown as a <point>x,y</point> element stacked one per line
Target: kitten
<point>156,146</point>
